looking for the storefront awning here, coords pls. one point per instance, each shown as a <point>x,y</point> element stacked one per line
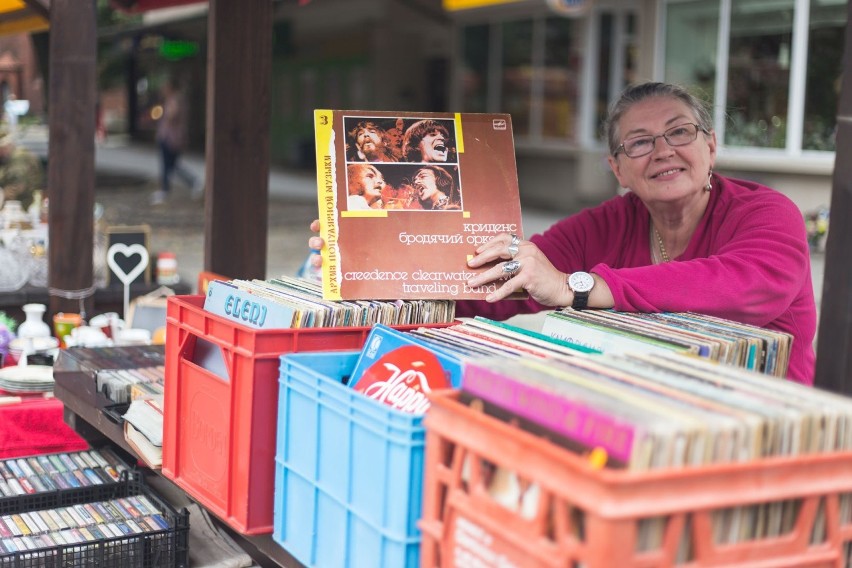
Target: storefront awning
<point>24,16</point>
<point>573,8</point>
<point>145,5</point>
<point>454,5</point>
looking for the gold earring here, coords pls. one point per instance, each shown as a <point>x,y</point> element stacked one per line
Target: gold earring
<point>709,185</point>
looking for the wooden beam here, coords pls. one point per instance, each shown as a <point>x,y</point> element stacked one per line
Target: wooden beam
<point>834,347</point>
<point>71,157</point>
<point>237,144</point>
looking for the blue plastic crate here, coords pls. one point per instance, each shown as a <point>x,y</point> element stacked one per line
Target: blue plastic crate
<point>348,469</point>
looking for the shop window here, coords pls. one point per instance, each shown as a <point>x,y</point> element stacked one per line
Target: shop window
<point>617,60</point>
<point>692,30</point>
<point>517,74</point>
<point>560,77</point>
<point>476,42</point>
<point>825,64</point>
<point>759,73</point>
<point>603,93</point>
<point>758,67</point>
<point>533,74</point>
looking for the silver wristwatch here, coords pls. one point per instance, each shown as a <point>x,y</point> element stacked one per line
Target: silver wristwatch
<point>581,283</point>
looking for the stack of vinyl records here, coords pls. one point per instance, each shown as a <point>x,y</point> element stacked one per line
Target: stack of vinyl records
<point>285,302</point>
<point>652,411</point>
<point>733,343</point>
<point>641,412</point>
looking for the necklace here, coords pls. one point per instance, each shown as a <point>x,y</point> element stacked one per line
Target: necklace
<point>663,252</point>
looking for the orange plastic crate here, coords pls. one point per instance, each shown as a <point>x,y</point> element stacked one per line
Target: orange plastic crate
<point>221,409</point>
<point>595,518</point>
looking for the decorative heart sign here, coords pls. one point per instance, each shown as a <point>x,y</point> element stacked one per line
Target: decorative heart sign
<point>127,251</point>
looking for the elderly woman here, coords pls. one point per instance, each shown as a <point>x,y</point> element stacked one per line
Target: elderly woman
<point>682,239</point>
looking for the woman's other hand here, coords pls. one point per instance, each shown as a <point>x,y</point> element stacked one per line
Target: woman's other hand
<point>316,243</point>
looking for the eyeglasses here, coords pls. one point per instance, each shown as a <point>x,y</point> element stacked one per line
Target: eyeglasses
<point>679,135</point>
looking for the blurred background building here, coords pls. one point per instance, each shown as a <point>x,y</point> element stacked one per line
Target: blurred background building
<point>770,67</point>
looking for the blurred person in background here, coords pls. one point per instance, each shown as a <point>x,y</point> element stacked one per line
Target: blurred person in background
<point>172,138</point>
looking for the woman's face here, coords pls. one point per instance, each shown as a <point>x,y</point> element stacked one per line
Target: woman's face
<point>433,147</point>
<point>668,173</point>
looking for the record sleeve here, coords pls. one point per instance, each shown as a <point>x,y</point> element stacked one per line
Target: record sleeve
<point>401,224</point>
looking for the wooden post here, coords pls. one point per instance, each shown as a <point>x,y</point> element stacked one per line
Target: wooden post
<point>239,65</point>
<point>834,347</point>
<point>71,161</point>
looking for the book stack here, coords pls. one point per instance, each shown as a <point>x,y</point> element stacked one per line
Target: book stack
<point>746,346</point>
<point>143,430</point>
<point>285,302</point>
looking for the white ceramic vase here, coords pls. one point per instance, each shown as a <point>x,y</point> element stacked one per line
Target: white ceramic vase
<point>34,325</point>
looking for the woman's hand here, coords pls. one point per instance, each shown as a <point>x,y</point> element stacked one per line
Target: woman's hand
<point>534,273</point>
<point>316,243</point>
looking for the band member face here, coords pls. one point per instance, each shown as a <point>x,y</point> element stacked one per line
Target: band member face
<point>395,137</point>
<point>425,184</point>
<point>368,140</point>
<point>367,181</point>
<point>433,147</point>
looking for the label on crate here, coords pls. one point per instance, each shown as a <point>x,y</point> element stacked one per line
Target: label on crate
<point>398,370</point>
<point>226,300</point>
<point>470,544</point>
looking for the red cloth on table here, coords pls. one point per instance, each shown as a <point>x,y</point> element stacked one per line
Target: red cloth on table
<point>36,426</point>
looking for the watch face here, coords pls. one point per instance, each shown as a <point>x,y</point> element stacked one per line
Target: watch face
<point>581,281</point>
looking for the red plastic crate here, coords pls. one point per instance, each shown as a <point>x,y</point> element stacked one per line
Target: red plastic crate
<point>221,411</point>
<point>595,517</point>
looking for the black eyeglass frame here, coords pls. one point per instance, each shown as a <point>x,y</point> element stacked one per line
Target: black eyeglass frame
<point>664,136</point>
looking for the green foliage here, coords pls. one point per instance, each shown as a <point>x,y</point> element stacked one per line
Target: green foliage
<point>8,322</point>
<point>112,53</point>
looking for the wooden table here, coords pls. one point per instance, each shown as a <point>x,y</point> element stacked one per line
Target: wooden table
<point>84,412</point>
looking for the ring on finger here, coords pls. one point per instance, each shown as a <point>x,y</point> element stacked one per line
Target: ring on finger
<point>511,267</point>
<point>513,246</point>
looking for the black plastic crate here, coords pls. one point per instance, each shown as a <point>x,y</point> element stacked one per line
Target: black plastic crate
<point>168,547</point>
<point>44,498</point>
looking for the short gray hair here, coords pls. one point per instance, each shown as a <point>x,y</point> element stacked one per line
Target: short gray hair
<point>637,93</point>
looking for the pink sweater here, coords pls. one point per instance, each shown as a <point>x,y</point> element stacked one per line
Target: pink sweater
<point>748,261</point>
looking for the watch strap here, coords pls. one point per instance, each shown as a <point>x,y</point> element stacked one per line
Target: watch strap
<point>581,300</point>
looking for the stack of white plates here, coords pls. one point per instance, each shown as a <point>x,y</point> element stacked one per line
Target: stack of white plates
<point>31,378</point>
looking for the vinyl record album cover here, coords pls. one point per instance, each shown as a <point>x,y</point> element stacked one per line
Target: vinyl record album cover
<point>406,198</point>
